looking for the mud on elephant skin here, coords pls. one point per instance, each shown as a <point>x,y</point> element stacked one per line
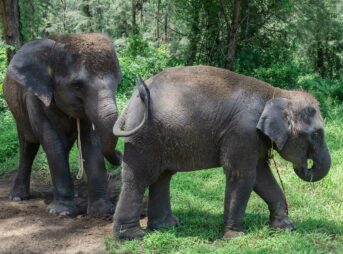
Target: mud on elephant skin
<point>49,84</point>
<point>204,117</point>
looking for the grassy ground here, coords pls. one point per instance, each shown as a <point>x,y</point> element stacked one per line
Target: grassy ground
<point>197,199</point>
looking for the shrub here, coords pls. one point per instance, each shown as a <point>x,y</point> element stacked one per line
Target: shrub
<point>328,92</point>
<point>140,58</point>
<point>3,62</point>
<point>8,137</point>
<point>280,75</point>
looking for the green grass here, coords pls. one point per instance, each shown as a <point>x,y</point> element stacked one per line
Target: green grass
<point>197,199</point>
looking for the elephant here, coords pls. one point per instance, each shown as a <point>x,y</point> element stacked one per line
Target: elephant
<point>200,117</point>
<point>49,84</point>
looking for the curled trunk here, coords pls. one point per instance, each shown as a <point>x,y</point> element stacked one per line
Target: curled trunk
<point>320,168</point>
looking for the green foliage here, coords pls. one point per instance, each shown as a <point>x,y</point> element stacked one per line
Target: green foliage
<point>3,63</point>
<point>280,75</point>
<point>329,93</point>
<point>140,58</point>
<point>35,18</point>
<point>8,137</point>
<point>3,67</point>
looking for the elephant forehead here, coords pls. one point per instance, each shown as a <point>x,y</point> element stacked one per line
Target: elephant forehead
<point>94,51</point>
<point>98,61</point>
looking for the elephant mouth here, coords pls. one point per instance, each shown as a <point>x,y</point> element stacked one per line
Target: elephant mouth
<point>77,111</point>
<point>305,170</point>
<point>313,170</point>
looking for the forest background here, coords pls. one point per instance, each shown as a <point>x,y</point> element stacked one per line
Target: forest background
<point>289,44</point>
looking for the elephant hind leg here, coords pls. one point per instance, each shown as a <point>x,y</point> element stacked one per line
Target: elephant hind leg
<point>127,214</point>
<point>28,152</point>
<point>141,168</point>
<point>159,209</point>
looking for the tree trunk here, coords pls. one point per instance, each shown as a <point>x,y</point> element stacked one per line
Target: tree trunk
<point>165,39</point>
<point>195,30</point>
<point>134,23</point>
<point>86,9</point>
<point>231,53</point>
<point>158,22</point>
<point>64,8</point>
<point>10,22</point>
<point>141,17</point>
<point>320,59</point>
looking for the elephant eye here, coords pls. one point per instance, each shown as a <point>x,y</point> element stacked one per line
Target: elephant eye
<point>77,84</point>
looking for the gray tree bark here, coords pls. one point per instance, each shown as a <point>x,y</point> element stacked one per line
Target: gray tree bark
<point>231,53</point>
<point>9,11</point>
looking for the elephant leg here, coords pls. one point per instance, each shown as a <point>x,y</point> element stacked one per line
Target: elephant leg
<point>240,181</point>
<point>140,169</point>
<point>21,187</point>
<point>99,203</point>
<point>268,189</point>
<point>159,209</point>
<point>56,150</point>
<point>55,146</point>
<point>127,214</point>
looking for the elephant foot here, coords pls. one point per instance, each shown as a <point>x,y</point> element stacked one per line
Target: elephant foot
<point>230,233</point>
<point>100,208</point>
<point>19,194</point>
<point>65,208</point>
<point>166,222</point>
<point>284,222</point>
<point>122,232</point>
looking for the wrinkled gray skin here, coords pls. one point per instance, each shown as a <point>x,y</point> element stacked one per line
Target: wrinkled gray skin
<point>203,117</point>
<point>50,83</point>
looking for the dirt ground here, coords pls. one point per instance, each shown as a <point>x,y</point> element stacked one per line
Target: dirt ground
<point>26,226</point>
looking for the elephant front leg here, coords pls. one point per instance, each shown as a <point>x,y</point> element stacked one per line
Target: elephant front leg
<point>239,185</point>
<point>268,189</point>
<point>56,150</point>
<point>159,209</point>
<point>99,203</point>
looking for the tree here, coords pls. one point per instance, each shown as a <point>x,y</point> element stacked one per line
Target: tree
<point>134,13</point>
<point>158,22</point>
<point>10,22</point>
<point>233,35</point>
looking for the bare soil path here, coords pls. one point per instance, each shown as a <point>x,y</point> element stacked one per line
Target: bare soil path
<point>26,226</point>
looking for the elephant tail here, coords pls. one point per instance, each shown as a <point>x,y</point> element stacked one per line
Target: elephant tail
<point>144,94</point>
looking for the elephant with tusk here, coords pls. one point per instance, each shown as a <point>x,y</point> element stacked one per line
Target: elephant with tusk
<point>49,84</point>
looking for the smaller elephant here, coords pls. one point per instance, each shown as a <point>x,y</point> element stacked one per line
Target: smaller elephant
<point>203,117</point>
<point>49,84</point>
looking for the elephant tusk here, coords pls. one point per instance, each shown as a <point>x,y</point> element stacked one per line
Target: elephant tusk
<point>80,157</point>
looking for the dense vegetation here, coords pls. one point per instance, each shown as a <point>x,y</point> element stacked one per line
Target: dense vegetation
<point>290,44</point>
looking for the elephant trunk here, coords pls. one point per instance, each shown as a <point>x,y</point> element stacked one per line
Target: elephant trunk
<point>319,169</point>
<point>104,115</point>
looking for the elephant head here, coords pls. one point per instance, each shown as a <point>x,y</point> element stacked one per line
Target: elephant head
<point>294,124</point>
<point>77,73</point>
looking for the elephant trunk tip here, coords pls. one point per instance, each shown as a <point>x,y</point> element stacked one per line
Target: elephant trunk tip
<point>315,173</point>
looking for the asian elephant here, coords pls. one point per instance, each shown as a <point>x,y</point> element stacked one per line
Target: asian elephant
<point>204,117</point>
<point>49,84</point>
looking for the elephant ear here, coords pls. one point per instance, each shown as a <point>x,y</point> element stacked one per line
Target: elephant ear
<point>29,67</point>
<point>274,121</point>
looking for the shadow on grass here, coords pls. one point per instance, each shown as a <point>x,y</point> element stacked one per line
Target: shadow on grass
<point>207,226</point>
